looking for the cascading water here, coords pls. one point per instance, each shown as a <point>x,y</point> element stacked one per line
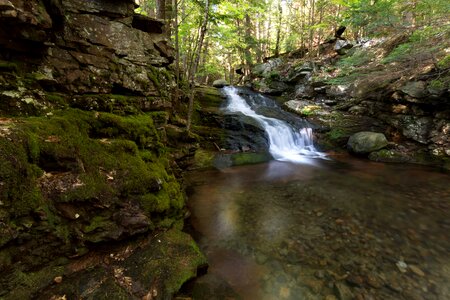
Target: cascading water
<point>285,142</point>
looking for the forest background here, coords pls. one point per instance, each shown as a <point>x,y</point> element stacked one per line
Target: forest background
<point>213,39</point>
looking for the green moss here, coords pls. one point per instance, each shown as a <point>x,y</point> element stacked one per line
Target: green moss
<point>24,284</point>
<point>57,99</point>
<point>18,191</point>
<point>95,223</point>
<point>138,128</point>
<point>444,63</point>
<point>176,273</point>
<point>273,75</point>
<point>153,76</point>
<point>8,66</point>
<point>203,158</point>
<point>337,134</point>
<point>239,159</point>
<point>168,198</point>
<point>309,110</point>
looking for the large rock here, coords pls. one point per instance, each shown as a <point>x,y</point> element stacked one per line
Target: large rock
<point>87,47</point>
<point>265,68</point>
<point>220,83</point>
<point>342,46</point>
<point>415,89</point>
<point>366,142</point>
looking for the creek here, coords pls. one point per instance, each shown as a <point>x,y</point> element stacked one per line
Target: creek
<point>304,227</point>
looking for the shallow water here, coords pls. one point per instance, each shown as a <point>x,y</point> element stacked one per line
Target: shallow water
<point>344,228</point>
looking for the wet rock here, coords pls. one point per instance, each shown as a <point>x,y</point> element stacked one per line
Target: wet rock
<point>416,270</point>
<point>342,291</point>
<point>366,142</point>
<point>355,280</point>
<point>402,266</point>
<point>374,281</point>
<point>160,265</point>
<point>389,155</point>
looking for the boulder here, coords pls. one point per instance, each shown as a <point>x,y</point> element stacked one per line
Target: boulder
<point>366,142</point>
<point>264,69</point>
<point>341,46</point>
<point>337,91</point>
<point>220,83</point>
<point>415,89</point>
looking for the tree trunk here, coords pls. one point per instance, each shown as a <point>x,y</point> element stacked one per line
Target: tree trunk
<point>161,9</point>
<point>177,48</point>
<point>280,18</point>
<point>248,46</point>
<point>196,61</point>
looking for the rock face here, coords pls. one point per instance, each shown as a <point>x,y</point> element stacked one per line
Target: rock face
<point>91,167</point>
<point>366,142</point>
<point>86,47</point>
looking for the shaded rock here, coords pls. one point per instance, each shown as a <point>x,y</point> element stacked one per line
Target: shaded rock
<point>108,8</point>
<point>413,127</point>
<point>158,265</point>
<point>300,72</point>
<point>389,155</point>
<point>337,90</point>
<point>147,24</point>
<point>416,270</point>
<point>263,69</point>
<point>415,89</point>
<point>366,142</point>
<point>342,291</point>
<point>220,83</point>
<point>273,87</point>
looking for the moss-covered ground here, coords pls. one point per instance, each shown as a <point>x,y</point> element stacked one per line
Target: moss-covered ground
<point>67,178</point>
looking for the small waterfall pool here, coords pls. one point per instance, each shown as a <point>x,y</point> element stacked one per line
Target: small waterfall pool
<point>302,228</point>
<point>339,229</point>
<point>286,142</point>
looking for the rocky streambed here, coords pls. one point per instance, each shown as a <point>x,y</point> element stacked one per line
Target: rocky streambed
<point>339,229</point>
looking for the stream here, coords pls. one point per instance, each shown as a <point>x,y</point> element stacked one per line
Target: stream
<point>304,227</point>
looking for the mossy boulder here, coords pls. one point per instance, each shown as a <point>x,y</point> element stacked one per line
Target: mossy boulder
<point>74,179</point>
<point>155,266</point>
<point>366,142</point>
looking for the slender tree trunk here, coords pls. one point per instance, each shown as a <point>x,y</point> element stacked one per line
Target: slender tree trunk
<point>161,9</point>
<point>269,25</point>
<point>319,37</point>
<point>280,18</point>
<point>197,59</point>
<point>177,48</point>
<point>248,46</point>
<point>311,24</point>
<point>204,58</point>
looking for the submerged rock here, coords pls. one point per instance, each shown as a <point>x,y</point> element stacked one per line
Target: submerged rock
<point>366,142</point>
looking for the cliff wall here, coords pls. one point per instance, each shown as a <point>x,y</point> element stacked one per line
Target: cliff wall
<point>88,196</point>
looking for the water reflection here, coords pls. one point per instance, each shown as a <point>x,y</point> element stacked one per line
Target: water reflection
<point>288,231</point>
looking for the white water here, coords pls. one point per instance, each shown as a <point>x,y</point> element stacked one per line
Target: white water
<point>285,143</point>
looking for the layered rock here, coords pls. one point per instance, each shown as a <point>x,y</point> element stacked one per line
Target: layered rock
<point>84,47</point>
<point>91,167</point>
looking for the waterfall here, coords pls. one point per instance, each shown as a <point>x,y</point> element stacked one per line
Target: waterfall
<point>285,142</point>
